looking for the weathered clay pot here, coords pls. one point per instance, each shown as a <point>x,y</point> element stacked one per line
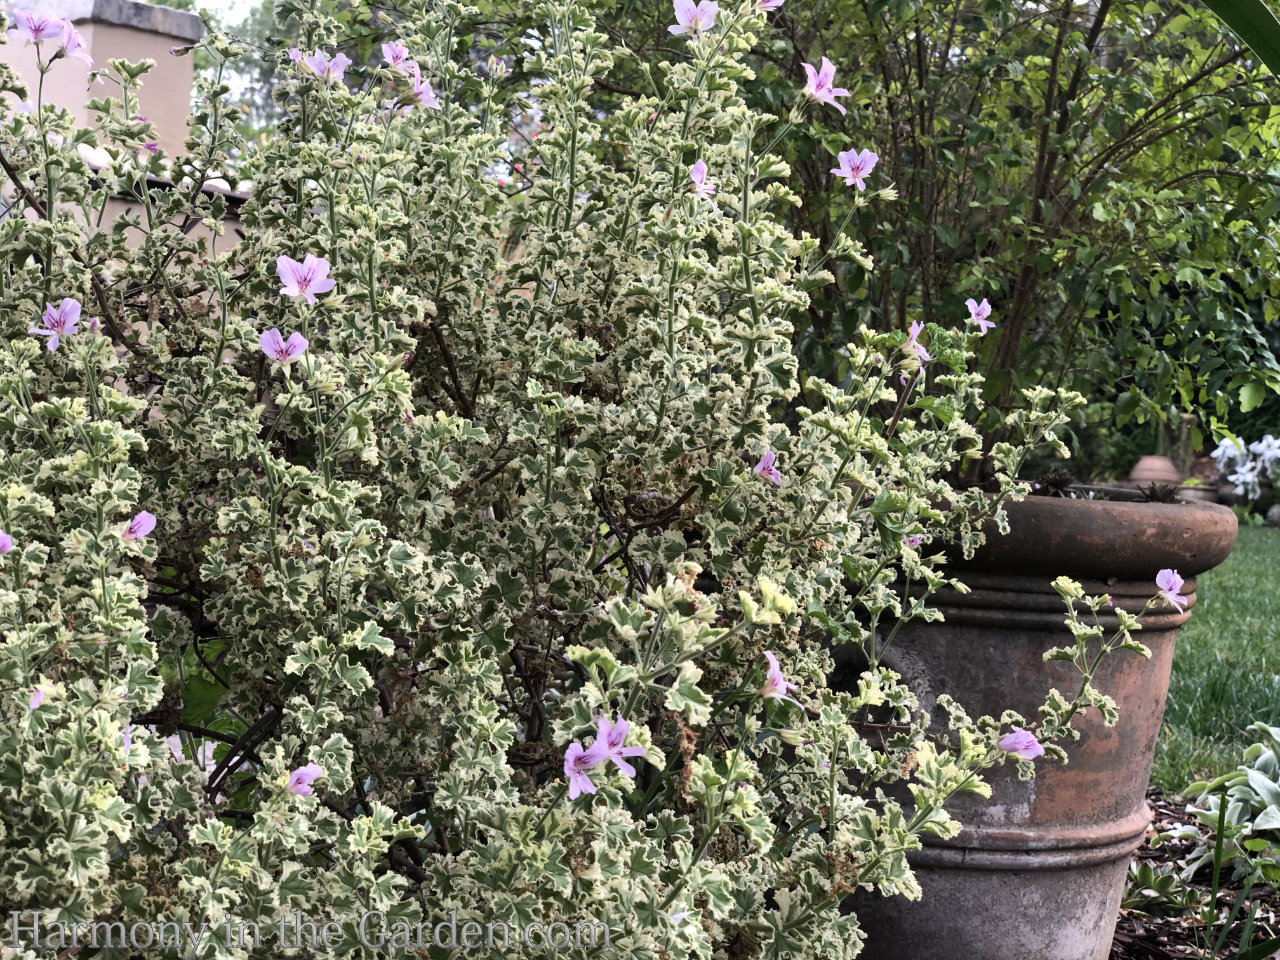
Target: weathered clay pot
<point>1037,871</point>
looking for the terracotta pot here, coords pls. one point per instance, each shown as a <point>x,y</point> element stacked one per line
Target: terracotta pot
<point>1205,494</point>
<point>1155,470</point>
<point>1037,871</point>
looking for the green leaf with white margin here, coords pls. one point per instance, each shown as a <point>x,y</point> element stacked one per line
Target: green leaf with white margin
<point>705,782</point>
<point>685,696</point>
<point>370,638</point>
<point>744,807</point>
<point>602,665</point>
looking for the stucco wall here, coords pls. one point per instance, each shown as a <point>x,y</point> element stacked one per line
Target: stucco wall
<point>117,28</point>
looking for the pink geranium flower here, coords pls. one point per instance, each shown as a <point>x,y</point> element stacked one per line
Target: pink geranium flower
<point>820,84</point>
<point>776,686</point>
<point>578,761</point>
<point>914,345</point>
<point>395,53</point>
<point>6,543</point>
<point>698,174</point>
<point>978,313</point>
<point>73,44</point>
<point>913,541</point>
<point>59,322</point>
<point>1170,583</point>
<point>694,20</point>
<point>304,279</point>
<point>855,166</point>
<point>37,698</point>
<point>300,780</point>
<point>328,70</point>
<point>140,526</point>
<point>1021,743</point>
<point>421,89</point>
<point>766,468</point>
<point>34,27</point>
<point>275,347</point>
<point>769,4</point>
<point>613,736</point>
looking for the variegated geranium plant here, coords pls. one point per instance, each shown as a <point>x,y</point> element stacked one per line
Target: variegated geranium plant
<point>450,544</point>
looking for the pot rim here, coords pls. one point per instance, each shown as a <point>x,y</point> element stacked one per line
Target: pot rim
<point>1106,539</point>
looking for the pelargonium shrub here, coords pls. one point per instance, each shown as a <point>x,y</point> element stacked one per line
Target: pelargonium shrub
<point>472,542</point>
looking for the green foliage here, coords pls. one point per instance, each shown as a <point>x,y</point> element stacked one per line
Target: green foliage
<point>1157,891</point>
<point>1105,175</point>
<point>1241,810</point>
<point>508,487</point>
<point>1239,821</point>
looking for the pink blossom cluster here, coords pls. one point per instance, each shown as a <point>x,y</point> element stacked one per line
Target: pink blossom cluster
<point>60,321</point>
<point>854,166</point>
<point>1021,743</point>
<point>37,27</point>
<point>305,279</point>
<point>301,780</point>
<point>330,70</point>
<point>776,686</point>
<point>1170,585</point>
<point>978,314</point>
<point>608,745</point>
<point>396,55</point>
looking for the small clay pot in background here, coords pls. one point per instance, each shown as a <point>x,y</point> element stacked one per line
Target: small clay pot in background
<point>1207,494</point>
<point>1154,469</point>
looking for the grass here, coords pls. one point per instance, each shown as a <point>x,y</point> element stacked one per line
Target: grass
<point>1226,666</point>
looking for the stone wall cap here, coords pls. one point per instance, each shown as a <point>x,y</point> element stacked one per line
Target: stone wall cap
<point>121,13</point>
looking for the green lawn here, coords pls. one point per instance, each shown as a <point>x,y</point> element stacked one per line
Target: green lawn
<point>1225,669</point>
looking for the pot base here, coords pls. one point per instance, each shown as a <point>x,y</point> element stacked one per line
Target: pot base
<point>1005,914</point>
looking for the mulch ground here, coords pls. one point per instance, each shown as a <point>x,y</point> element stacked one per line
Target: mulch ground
<point>1140,936</point>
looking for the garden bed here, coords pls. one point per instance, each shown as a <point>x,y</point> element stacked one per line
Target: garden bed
<point>1142,936</point>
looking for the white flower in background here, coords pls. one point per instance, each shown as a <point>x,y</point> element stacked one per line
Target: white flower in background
<point>1267,450</point>
<point>204,752</point>
<point>1229,453</point>
<point>1246,480</point>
